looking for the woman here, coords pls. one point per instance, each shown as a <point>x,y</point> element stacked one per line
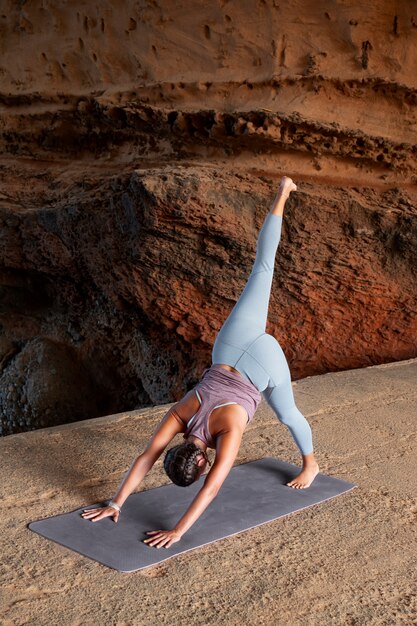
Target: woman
<point>246,362</point>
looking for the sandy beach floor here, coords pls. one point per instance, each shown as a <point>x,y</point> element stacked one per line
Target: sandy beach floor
<point>349,561</point>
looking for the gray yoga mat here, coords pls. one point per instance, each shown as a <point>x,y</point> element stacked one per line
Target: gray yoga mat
<point>252,494</point>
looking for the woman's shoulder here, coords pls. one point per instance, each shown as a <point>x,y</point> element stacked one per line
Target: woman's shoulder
<point>228,418</point>
<point>187,407</point>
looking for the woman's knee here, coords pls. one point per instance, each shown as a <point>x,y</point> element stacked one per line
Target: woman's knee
<point>290,416</point>
<point>281,400</point>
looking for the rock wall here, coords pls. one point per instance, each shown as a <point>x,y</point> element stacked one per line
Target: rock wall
<point>141,149</point>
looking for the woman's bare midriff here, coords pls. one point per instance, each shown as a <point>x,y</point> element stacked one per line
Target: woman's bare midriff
<point>228,367</point>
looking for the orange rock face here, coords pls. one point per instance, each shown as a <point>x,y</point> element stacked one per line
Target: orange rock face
<point>140,154</point>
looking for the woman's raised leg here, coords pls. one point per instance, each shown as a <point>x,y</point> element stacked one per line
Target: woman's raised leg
<point>247,319</point>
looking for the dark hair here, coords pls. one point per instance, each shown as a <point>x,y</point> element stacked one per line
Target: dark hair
<point>180,463</point>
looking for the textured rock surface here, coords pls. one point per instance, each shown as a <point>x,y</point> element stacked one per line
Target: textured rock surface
<point>348,561</point>
<point>45,384</point>
<point>140,152</point>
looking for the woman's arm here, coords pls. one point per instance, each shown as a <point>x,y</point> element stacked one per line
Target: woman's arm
<point>166,430</point>
<point>227,447</point>
<point>171,425</point>
<point>136,473</point>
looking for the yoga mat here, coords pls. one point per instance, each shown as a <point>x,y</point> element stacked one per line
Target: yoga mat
<point>253,493</point>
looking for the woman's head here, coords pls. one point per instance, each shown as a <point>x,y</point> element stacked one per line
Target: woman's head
<point>185,463</point>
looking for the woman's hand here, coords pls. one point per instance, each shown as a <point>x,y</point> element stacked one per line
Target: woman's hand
<point>96,514</point>
<point>167,537</point>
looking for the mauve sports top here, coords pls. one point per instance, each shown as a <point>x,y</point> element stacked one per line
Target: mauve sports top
<point>218,384</point>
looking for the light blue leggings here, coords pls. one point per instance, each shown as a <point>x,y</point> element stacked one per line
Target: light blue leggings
<point>243,343</point>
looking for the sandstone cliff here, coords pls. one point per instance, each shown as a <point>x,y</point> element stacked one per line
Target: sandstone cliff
<point>141,149</point>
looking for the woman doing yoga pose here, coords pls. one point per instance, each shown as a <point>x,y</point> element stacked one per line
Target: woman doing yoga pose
<point>246,362</point>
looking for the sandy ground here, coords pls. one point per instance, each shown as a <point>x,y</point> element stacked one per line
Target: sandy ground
<point>348,561</point>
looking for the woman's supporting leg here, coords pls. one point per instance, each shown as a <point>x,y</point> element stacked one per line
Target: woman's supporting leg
<point>279,394</point>
<point>281,400</point>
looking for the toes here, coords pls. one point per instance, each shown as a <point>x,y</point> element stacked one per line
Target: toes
<point>296,484</point>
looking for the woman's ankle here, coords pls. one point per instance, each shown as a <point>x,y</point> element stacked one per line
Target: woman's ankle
<point>309,459</point>
<point>278,204</point>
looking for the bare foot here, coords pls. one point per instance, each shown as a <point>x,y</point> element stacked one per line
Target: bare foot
<point>287,185</point>
<point>305,477</point>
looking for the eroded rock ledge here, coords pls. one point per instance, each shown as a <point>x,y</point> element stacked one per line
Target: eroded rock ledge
<point>74,125</point>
